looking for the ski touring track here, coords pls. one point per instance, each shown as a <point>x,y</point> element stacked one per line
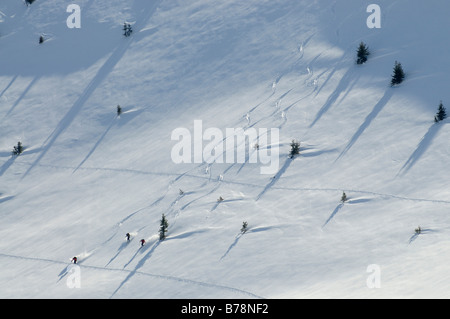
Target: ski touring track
<point>234,182</point>
<point>133,272</point>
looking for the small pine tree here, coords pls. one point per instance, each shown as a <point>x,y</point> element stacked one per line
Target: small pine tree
<point>163,227</point>
<point>29,2</point>
<point>295,148</point>
<point>119,110</point>
<point>244,227</point>
<point>418,230</point>
<point>17,150</point>
<point>41,39</point>
<point>441,114</point>
<point>344,197</point>
<point>399,74</point>
<point>127,30</point>
<point>362,53</point>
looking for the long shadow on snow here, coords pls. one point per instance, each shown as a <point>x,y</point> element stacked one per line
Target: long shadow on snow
<point>414,237</point>
<point>102,73</point>
<point>139,264</point>
<point>9,85</point>
<point>11,160</point>
<point>238,236</point>
<point>349,202</point>
<point>318,153</point>
<point>336,210</point>
<point>283,169</point>
<point>96,145</point>
<point>345,82</point>
<point>6,165</point>
<point>225,201</point>
<point>24,93</point>
<point>426,141</point>
<point>375,111</point>
<point>76,108</point>
<point>121,247</point>
<point>126,117</point>
<point>232,245</point>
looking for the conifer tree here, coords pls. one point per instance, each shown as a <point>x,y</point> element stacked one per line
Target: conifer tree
<point>344,197</point>
<point>163,227</point>
<point>244,227</point>
<point>399,74</point>
<point>295,148</point>
<point>127,30</point>
<point>441,114</point>
<point>17,150</point>
<point>362,53</point>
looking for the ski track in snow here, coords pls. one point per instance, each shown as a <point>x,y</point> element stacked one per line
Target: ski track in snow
<point>234,182</point>
<point>169,205</point>
<point>135,272</point>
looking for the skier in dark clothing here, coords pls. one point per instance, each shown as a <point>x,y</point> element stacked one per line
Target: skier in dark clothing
<point>128,236</point>
<point>74,260</point>
<point>142,242</point>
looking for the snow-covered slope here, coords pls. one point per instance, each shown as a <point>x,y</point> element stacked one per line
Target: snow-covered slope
<point>87,177</point>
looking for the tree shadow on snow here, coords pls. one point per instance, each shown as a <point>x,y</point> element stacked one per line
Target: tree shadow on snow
<point>277,176</point>
<point>336,210</point>
<point>421,148</point>
<point>225,201</point>
<point>422,232</point>
<point>102,73</point>
<point>343,85</point>
<point>232,245</point>
<point>372,115</point>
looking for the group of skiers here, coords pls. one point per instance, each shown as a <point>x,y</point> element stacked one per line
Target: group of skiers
<point>142,241</point>
<point>128,236</point>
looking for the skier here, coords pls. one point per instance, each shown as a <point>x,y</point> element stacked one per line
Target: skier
<point>74,260</point>
<point>128,236</point>
<point>142,242</point>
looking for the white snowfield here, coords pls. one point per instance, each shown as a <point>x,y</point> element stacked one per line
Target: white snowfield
<point>87,177</point>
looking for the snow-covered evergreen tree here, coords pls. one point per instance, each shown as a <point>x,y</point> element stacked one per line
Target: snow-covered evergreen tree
<point>441,114</point>
<point>244,227</point>
<point>362,53</point>
<point>295,148</point>
<point>164,225</point>
<point>127,30</point>
<point>399,74</point>
<point>17,150</point>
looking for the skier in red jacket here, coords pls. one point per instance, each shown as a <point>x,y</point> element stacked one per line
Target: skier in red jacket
<point>142,242</point>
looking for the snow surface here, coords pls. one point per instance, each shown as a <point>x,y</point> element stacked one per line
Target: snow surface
<point>87,177</point>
